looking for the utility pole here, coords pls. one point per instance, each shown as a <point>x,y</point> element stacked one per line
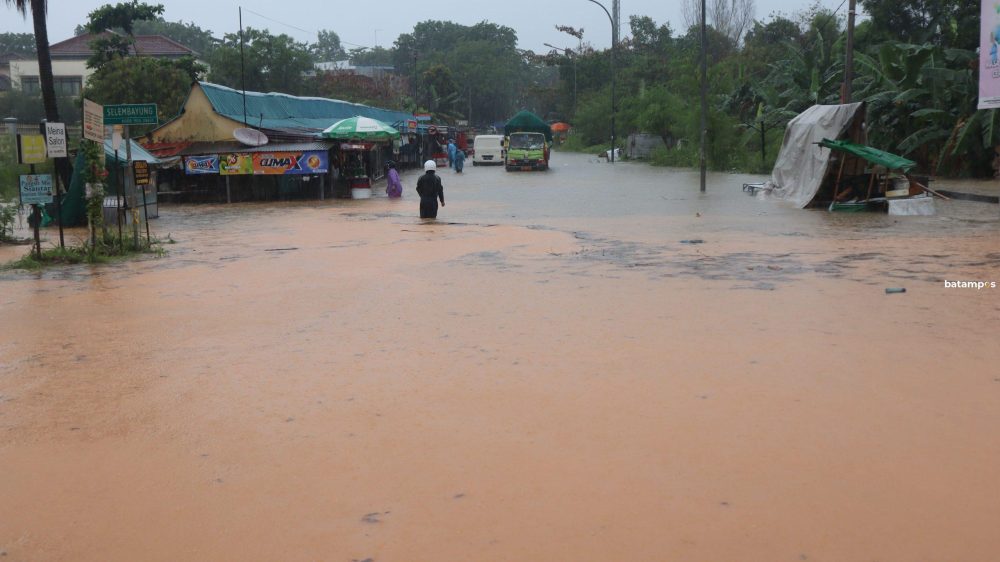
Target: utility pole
<point>616,14</point>
<point>845,96</point>
<point>614,44</point>
<point>704,95</point>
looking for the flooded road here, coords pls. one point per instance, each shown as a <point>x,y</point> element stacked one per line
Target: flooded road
<point>595,363</point>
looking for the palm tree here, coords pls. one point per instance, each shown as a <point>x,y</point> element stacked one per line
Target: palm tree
<point>39,8</point>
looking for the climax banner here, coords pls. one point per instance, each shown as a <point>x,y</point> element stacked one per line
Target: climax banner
<point>989,66</point>
<point>291,163</point>
<point>197,165</point>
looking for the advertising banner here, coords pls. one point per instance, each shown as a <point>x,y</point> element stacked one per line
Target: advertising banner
<point>236,164</point>
<point>197,165</point>
<point>989,66</point>
<point>291,163</point>
<point>36,189</point>
<point>30,149</point>
<point>93,121</point>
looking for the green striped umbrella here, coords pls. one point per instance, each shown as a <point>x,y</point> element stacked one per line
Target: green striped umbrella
<point>360,128</point>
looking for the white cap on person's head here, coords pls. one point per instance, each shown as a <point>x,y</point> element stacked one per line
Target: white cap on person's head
<point>430,165</point>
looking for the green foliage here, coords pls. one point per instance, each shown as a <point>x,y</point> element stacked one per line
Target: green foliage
<point>944,23</point>
<point>28,108</point>
<point>110,46</point>
<point>328,47</point>
<point>122,16</point>
<point>141,79</point>
<point>274,63</point>
<point>188,34</point>
<point>109,249</point>
<point>17,43</point>
<point>8,213</point>
<point>489,76</point>
<point>376,56</point>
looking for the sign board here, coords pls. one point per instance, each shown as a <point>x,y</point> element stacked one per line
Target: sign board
<point>30,149</point>
<point>55,140</point>
<point>989,64</point>
<point>131,114</point>
<point>291,163</point>
<point>36,189</point>
<point>141,170</point>
<point>198,165</point>
<point>432,130</point>
<point>236,164</point>
<point>93,121</point>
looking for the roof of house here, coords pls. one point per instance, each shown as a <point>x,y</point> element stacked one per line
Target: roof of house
<point>5,58</point>
<point>284,112</point>
<point>138,152</point>
<point>145,45</point>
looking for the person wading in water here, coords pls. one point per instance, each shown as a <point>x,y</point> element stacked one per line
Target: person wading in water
<point>430,190</point>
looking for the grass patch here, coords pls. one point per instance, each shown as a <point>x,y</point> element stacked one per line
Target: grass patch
<point>576,144</point>
<point>109,250</point>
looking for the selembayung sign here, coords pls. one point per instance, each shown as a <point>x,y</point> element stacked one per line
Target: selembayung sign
<point>131,114</point>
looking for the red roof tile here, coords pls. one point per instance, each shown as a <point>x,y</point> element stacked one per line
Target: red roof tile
<point>146,45</point>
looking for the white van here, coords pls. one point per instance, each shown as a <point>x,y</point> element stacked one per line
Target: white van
<point>487,149</point>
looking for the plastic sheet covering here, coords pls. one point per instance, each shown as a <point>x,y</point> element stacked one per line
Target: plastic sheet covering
<point>802,164</point>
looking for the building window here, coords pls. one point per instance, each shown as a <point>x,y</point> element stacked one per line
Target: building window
<point>30,85</point>
<point>64,86</point>
<point>68,85</point>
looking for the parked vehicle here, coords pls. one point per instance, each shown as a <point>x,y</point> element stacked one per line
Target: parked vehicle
<point>487,150</point>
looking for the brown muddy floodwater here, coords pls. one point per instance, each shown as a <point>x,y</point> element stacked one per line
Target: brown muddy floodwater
<point>547,373</point>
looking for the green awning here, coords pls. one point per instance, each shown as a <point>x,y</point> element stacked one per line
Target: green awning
<point>873,155</point>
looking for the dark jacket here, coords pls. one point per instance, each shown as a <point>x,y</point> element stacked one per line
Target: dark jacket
<point>429,187</point>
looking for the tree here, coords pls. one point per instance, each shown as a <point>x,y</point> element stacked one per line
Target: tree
<point>17,43</point>
<point>375,56</point>
<point>732,18</point>
<point>948,23</point>
<point>45,79</point>
<point>328,47</point>
<point>272,62</point>
<point>108,18</point>
<point>188,34</point>
<point>131,79</point>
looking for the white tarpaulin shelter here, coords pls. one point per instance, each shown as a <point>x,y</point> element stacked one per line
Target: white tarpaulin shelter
<point>802,164</point>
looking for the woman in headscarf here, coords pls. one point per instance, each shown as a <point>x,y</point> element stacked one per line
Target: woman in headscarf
<point>394,187</point>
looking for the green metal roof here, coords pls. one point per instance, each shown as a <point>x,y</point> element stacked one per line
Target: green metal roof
<point>873,155</point>
<point>282,111</point>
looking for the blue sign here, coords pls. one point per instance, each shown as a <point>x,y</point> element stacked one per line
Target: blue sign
<point>196,165</point>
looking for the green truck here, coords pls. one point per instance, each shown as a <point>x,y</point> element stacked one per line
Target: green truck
<point>529,142</point>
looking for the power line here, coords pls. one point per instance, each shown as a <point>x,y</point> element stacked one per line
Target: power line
<point>311,32</point>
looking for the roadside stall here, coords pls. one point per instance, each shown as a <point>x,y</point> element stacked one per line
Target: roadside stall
<point>365,147</point>
<point>884,182</point>
<point>272,171</point>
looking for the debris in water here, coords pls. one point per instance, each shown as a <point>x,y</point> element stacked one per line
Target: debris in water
<point>695,241</point>
<point>372,518</point>
<point>894,290</point>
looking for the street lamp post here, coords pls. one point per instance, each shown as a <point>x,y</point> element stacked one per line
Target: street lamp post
<point>567,50</point>
<point>614,105</point>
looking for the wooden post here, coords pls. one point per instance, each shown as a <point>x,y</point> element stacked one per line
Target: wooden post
<point>229,196</point>
<point>322,187</point>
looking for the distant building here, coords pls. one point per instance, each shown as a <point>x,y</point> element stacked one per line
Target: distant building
<point>345,66</point>
<point>69,62</point>
<point>5,60</point>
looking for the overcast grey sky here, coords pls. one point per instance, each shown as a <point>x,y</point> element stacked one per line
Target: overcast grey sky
<point>361,22</point>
